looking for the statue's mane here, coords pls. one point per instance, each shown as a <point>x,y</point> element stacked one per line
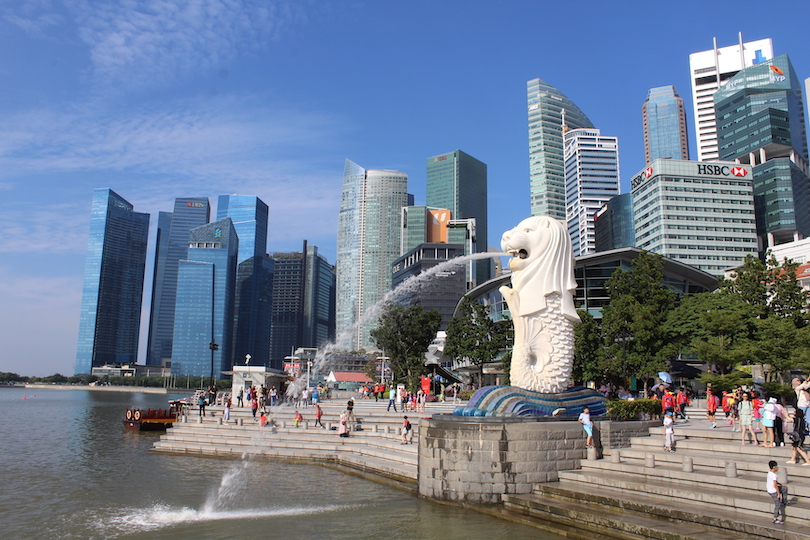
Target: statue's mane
<point>550,272</point>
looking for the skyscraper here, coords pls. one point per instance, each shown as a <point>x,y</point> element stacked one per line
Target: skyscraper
<point>613,224</point>
<point>368,242</point>
<point>172,246</point>
<point>698,213</point>
<point>421,224</point>
<point>546,160</point>
<point>319,300</point>
<point>457,181</point>
<point>254,278</point>
<point>664,121</point>
<point>709,71</point>
<point>113,283</point>
<point>591,179</point>
<point>760,122</point>
<point>203,322</point>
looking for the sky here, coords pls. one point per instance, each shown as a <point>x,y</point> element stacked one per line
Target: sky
<point>162,99</point>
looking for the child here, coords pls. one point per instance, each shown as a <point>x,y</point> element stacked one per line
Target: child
<point>318,416</point>
<point>297,419</point>
<point>669,432</point>
<point>587,425</point>
<point>712,403</point>
<point>777,491</point>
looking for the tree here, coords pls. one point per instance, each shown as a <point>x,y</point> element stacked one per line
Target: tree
<point>405,334</point>
<point>587,348</point>
<point>751,283</point>
<point>475,336</point>
<point>633,322</point>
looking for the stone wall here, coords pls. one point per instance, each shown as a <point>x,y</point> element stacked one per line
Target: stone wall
<point>478,459</point>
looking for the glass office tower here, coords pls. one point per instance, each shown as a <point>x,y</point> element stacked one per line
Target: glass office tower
<point>254,278</point>
<point>613,224</point>
<point>457,181</point>
<point>368,242</point>
<point>591,179</point>
<point>204,309</point>
<point>760,122</point>
<point>548,110</point>
<point>189,213</point>
<point>110,314</point>
<point>664,121</point>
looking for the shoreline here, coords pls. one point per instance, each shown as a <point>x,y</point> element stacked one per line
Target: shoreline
<point>132,389</point>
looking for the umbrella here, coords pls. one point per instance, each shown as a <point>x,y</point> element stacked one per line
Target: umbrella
<point>664,376</point>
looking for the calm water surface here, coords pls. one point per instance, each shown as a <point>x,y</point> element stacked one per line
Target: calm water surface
<point>70,470</point>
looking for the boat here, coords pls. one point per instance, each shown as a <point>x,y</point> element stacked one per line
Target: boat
<point>152,419</point>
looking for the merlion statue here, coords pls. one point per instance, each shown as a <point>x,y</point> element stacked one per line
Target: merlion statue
<point>541,302</point>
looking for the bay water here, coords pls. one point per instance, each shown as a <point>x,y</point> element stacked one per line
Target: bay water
<point>68,469</point>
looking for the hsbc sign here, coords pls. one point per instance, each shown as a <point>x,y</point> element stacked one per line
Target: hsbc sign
<point>722,170</point>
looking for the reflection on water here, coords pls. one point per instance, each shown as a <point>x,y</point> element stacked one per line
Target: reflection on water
<point>70,470</point>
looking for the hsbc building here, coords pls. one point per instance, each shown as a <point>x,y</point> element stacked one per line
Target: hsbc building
<point>699,213</point>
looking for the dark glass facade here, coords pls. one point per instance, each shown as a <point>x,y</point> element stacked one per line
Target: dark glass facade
<point>287,327</point>
<point>613,224</point>
<point>457,181</point>
<point>254,278</point>
<point>204,308</point>
<point>189,213</point>
<point>110,314</point>
<point>664,120</point>
<point>319,300</point>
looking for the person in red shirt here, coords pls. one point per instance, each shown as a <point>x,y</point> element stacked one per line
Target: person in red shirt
<point>668,401</point>
<point>682,400</point>
<point>712,402</point>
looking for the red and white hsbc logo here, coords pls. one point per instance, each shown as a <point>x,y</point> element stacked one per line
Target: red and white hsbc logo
<point>648,172</point>
<point>722,170</point>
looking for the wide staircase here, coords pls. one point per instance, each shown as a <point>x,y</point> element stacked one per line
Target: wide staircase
<point>373,446</point>
<point>711,487</point>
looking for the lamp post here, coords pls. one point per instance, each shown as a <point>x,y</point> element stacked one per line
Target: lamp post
<point>383,360</point>
<point>214,346</point>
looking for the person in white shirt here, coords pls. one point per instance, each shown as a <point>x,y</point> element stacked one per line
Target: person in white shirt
<point>669,432</point>
<point>587,425</point>
<point>777,491</point>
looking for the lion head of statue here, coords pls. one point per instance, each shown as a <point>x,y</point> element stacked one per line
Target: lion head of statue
<point>542,263</point>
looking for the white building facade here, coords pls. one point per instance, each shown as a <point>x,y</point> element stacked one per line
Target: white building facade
<point>709,70</point>
<point>591,179</point>
<point>701,214</point>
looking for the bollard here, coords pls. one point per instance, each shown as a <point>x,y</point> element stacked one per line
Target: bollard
<point>219,420</point>
<point>374,428</point>
<point>240,421</point>
<point>185,419</point>
<point>649,461</point>
<point>284,424</point>
<point>616,456</point>
<point>731,469</point>
<point>306,424</point>
<point>199,419</point>
<point>592,455</point>
<point>687,464</point>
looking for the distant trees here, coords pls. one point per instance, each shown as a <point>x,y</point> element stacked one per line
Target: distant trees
<point>473,335</point>
<point>405,334</point>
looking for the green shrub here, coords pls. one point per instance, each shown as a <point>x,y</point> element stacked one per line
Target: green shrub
<point>623,409</point>
<point>465,395</point>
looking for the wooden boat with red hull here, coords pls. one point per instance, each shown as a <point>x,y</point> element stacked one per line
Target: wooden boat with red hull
<point>151,419</point>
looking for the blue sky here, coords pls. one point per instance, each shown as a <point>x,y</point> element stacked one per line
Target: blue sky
<point>159,99</point>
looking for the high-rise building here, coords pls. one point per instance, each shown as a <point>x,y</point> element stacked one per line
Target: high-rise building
<point>368,242</point>
<point>591,179</point>
<point>203,321</point>
<point>613,224</point>
<point>664,121</point>
<point>698,213</point>
<point>760,122</point>
<point>110,314</point>
<point>546,107</point>
<point>172,246</point>
<point>709,71</point>
<point>458,182</point>
<point>303,302</point>
<point>423,224</point>
<point>254,278</point>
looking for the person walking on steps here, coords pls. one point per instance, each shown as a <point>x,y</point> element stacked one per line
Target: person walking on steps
<point>587,425</point>
<point>712,402</point>
<point>392,399</point>
<point>318,416</point>
<point>778,492</point>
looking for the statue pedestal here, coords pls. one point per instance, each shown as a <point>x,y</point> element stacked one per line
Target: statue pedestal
<point>506,401</point>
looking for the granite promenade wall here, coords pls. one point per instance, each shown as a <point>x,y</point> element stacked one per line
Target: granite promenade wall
<point>477,460</point>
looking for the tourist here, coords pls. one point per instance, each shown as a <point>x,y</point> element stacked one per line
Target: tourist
<point>262,398</point>
<point>240,398</point>
<point>350,413</point>
<point>682,400</point>
<point>305,397</point>
<point>712,402</point>
<point>797,438</point>
<point>318,416</point>
<point>201,403</point>
<point>315,396</point>
<point>768,418</point>
<point>668,402</point>
<point>734,400</point>
<point>407,431</point>
<point>747,419</point>
<point>777,491</point>
<point>779,424</point>
<point>726,406</point>
<point>802,395</point>
<point>669,432</point>
<point>587,425</point>
<point>273,395</point>
<point>456,391</point>
<point>421,400</point>
<point>262,418</point>
<point>254,406</point>
<point>343,426</point>
<point>227,414</point>
<point>392,396</point>
<point>297,419</point>
<point>212,395</point>
<point>757,406</point>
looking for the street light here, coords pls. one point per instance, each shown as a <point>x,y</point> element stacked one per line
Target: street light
<point>383,360</point>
